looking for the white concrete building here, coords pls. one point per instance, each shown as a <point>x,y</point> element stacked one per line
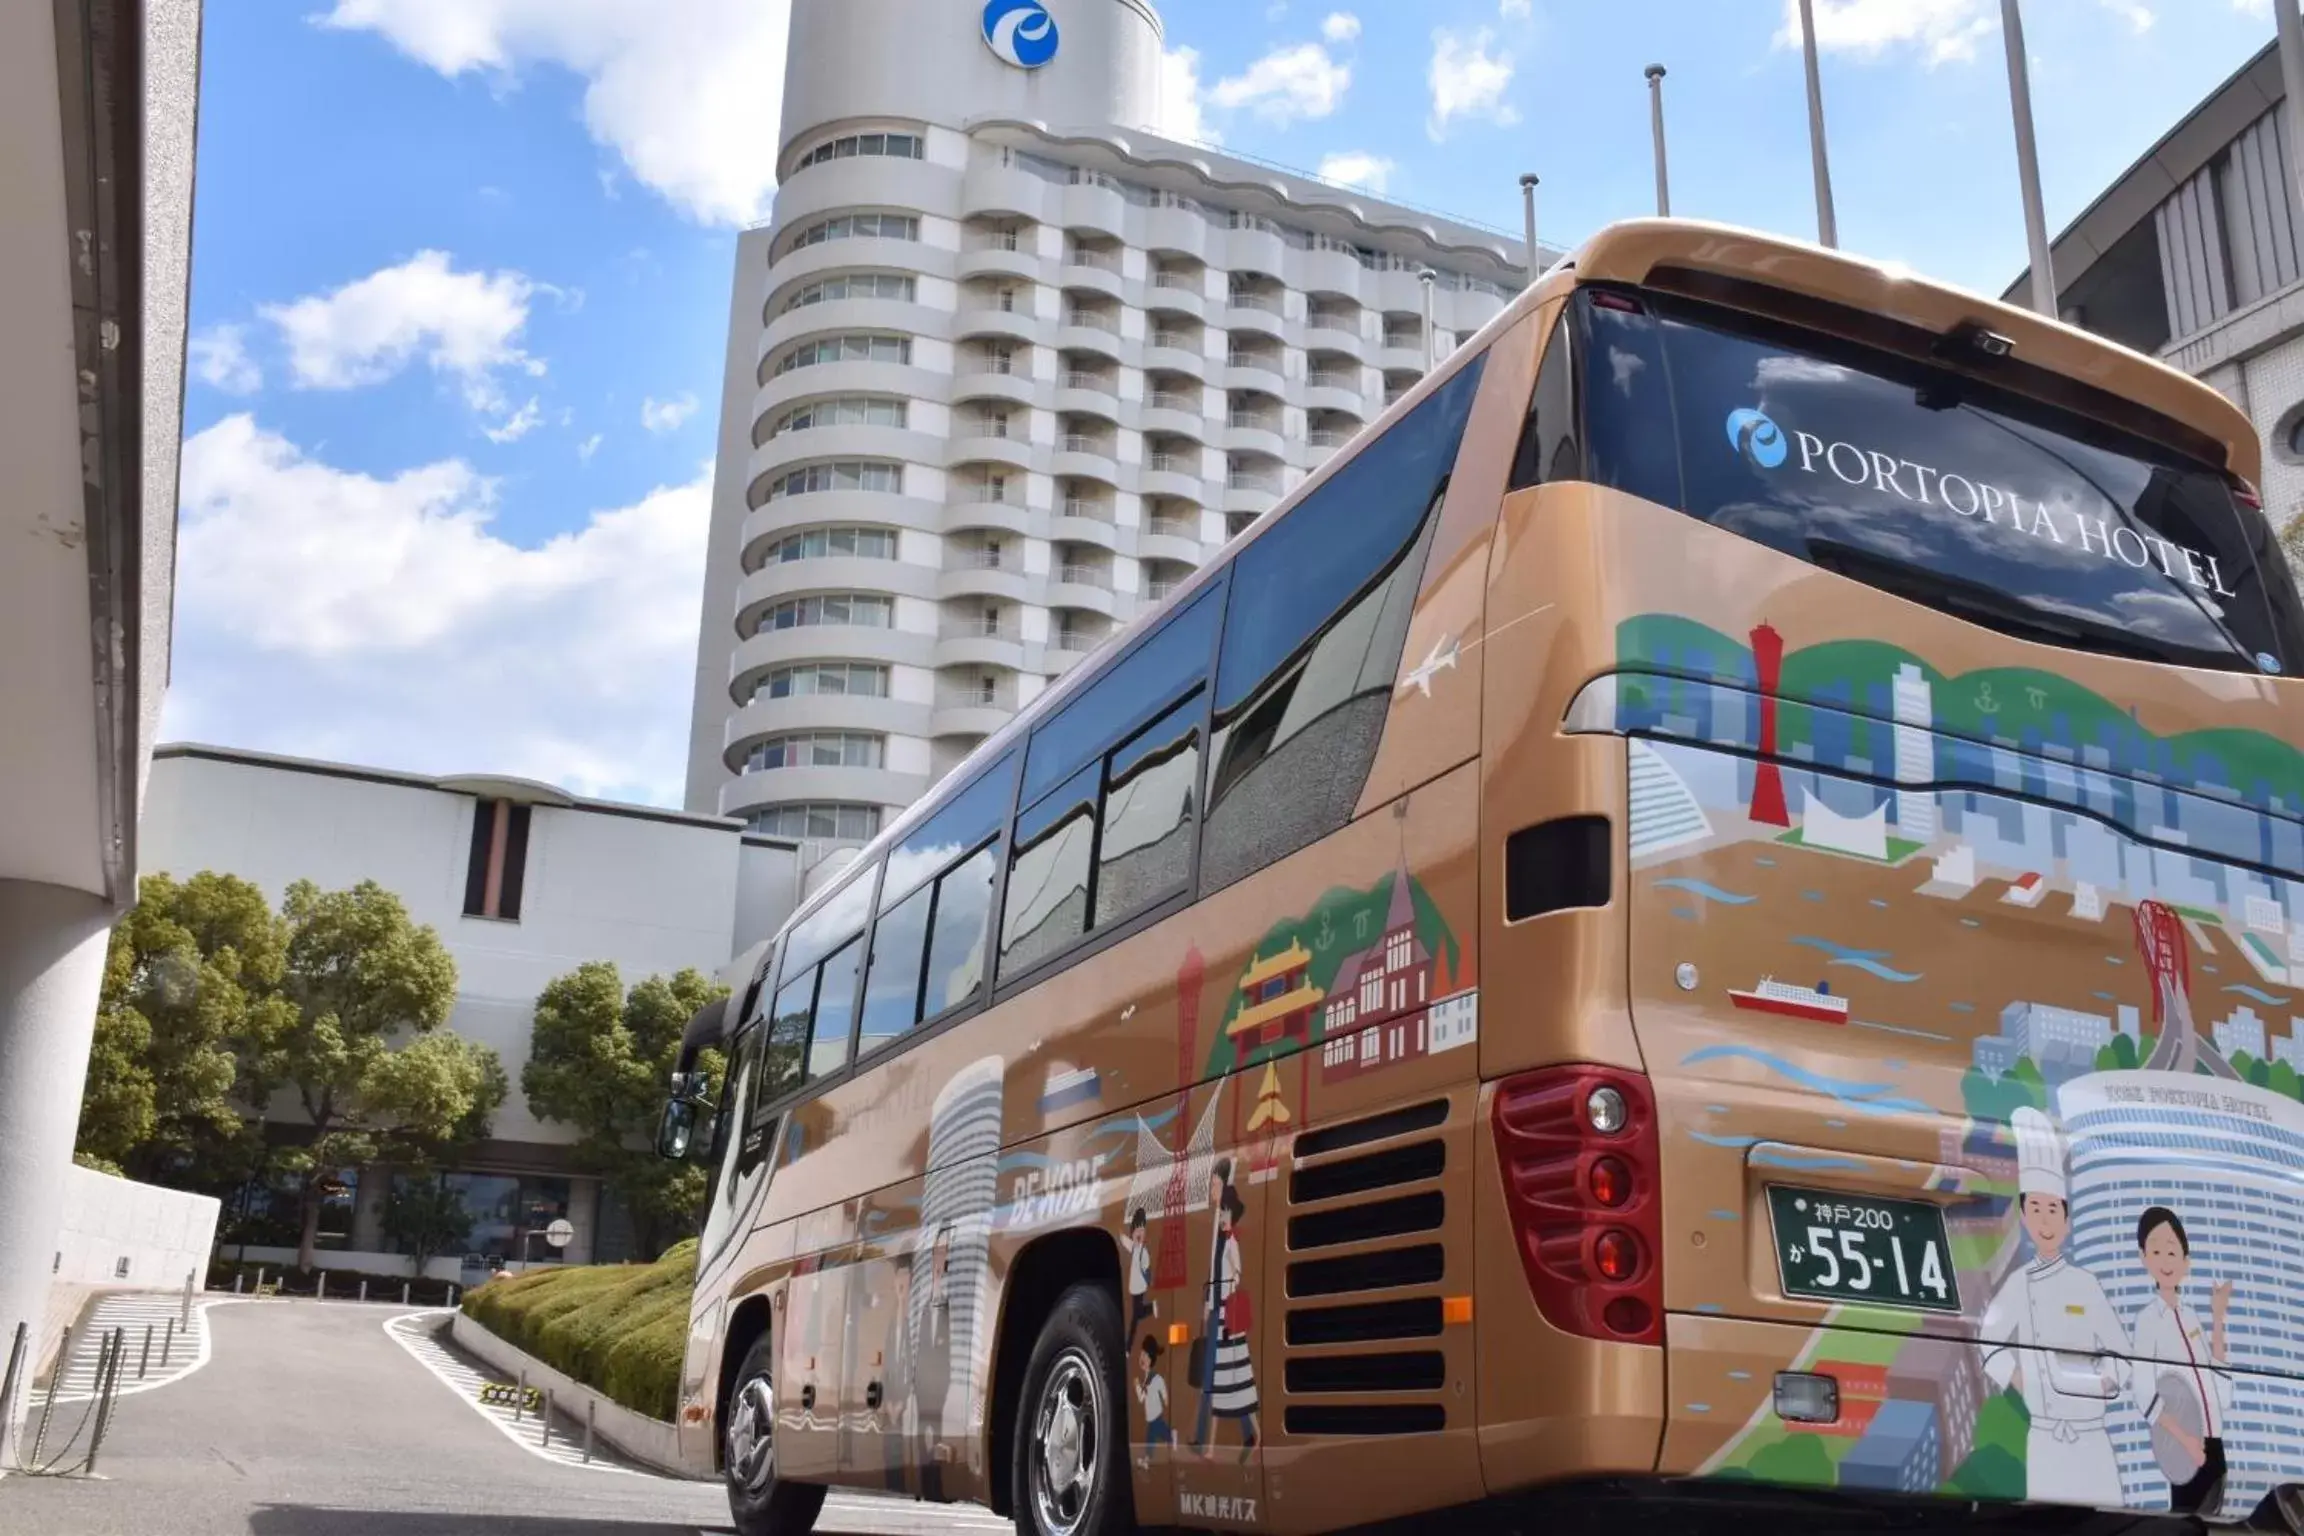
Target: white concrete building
<point>523,883</point>
<point>1005,366</point>
<point>2192,256</point>
<point>98,116</point>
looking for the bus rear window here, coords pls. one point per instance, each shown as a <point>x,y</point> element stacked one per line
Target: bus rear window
<point>1933,486</point>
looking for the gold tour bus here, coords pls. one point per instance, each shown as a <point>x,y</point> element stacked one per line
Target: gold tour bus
<point>1811,1031</point>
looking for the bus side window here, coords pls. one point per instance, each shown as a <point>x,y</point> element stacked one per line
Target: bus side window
<point>1312,641</point>
<point>1630,445</point>
<point>927,943</point>
<point>1550,447</point>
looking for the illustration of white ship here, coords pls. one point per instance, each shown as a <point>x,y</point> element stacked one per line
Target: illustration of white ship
<point>1815,1003</point>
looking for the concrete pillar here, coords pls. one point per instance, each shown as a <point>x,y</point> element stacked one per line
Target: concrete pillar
<point>51,970</point>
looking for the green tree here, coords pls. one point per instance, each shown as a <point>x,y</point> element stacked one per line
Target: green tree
<point>190,989</point>
<point>427,1217</point>
<point>361,1047</point>
<point>2284,1080</point>
<point>600,1060</point>
<point>1798,1460</point>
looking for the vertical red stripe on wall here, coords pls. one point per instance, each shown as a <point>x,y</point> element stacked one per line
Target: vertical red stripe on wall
<point>1767,779</point>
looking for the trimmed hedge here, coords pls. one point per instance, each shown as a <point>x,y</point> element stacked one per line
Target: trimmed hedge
<point>620,1329</point>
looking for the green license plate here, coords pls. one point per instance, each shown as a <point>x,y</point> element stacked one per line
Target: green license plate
<point>1834,1246</point>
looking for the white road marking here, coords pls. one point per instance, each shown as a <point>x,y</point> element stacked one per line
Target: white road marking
<point>408,1331</point>
<point>132,1313</point>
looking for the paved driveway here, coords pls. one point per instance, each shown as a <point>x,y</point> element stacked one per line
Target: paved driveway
<point>308,1420</point>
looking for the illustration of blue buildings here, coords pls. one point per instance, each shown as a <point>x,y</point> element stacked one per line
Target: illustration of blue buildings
<point>1899,1451</point>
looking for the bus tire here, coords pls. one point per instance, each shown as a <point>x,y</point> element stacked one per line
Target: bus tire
<point>759,1502</point>
<point>1070,1467</point>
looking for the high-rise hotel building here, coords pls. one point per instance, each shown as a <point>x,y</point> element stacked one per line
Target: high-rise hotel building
<point>1004,367</point>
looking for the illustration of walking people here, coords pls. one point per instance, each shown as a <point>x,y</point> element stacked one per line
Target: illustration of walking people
<point>1141,1308</point>
<point>1227,1377</point>
<point>2050,1331</point>
<point>2185,1393</point>
<point>932,1366</point>
<point>1152,1392</point>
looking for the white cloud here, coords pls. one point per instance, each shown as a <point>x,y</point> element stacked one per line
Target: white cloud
<point>2134,12</point>
<point>1357,168</point>
<point>1468,81</point>
<point>219,359</point>
<point>661,416</point>
<point>1514,10</point>
<point>464,324</point>
<point>1340,27</point>
<point>1287,84</point>
<point>381,620</point>
<point>517,425</point>
<point>587,448</point>
<point>1942,31</point>
<point>1181,116</point>
<point>685,96</point>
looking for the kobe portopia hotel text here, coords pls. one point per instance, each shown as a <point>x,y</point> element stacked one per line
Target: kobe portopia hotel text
<point>1005,366</point>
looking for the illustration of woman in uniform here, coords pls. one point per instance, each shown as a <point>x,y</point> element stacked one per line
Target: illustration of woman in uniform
<point>1231,1386</point>
<point>932,1367</point>
<point>2185,1392</point>
<point>2050,1330</point>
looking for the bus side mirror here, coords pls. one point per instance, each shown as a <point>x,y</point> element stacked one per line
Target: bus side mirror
<point>677,1130</point>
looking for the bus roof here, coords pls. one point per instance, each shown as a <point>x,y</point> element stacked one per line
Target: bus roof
<point>1725,264</point>
<point>1747,269</point>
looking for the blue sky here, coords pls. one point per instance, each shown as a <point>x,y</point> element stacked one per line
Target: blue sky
<point>462,273</point>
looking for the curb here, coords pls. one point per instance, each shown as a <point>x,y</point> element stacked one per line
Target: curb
<point>651,1443</point>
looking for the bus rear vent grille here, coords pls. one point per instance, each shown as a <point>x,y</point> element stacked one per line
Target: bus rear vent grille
<point>1367,1195</point>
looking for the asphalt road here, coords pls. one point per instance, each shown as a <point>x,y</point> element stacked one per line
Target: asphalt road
<point>308,1420</point>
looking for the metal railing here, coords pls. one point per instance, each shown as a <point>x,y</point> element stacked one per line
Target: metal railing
<point>1334,378</point>
<point>1327,437</point>
<point>1074,640</point>
<point>950,696</point>
<point>977,629</point>
<point>1185,280</point>
<point>1174,463</point>
<point>1102,261</point>
<point>1266,302</point>
<point>1248,480</point>
<point>1087,509</point>
<point>1268,361</point>
<point>1170,400</point>
<point>1003,240</point>
<point>1253,419</point>
<point>1178,341</point>
<point>1090,319</point>
<point>982,560</point>
<point>1085,576</point>
<point>1174,527</point>
<point>1156,590</point>
<point>1083,442</point>
<point>1080,378</point>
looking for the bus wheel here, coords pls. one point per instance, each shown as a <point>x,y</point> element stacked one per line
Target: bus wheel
<point>1071,1455</point>
<point>759,1502</point>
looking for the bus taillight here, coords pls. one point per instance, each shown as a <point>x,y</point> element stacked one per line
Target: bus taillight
<point>1583,1191</point>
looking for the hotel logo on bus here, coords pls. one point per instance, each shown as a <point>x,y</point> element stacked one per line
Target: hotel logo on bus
<point>1766,445</point>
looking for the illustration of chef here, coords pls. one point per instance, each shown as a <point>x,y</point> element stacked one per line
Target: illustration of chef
<point>2050,1331</point>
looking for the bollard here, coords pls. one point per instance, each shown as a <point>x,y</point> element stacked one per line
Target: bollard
<point>363,1290</point>
<point>546,1442</point>
<point>168,1344</point>
<point>321,1294</point>
<point>107,1393</point>
<point>55,1380</point>
<point>16,1352</point>
<point>259,1277</point>
<point>403,1293</point>
<point>520,1398</point>
<point>451,1295</point>
<point>236,1282</point>
<point>590,1404</point>
<point>184,1312</point>
<point>144,1361</point>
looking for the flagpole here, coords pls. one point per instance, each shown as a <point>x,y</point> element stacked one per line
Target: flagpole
<point>2028,159</point>
<point>1656,129</point>
<point>1827,226</point>
<point>1528,217</point>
